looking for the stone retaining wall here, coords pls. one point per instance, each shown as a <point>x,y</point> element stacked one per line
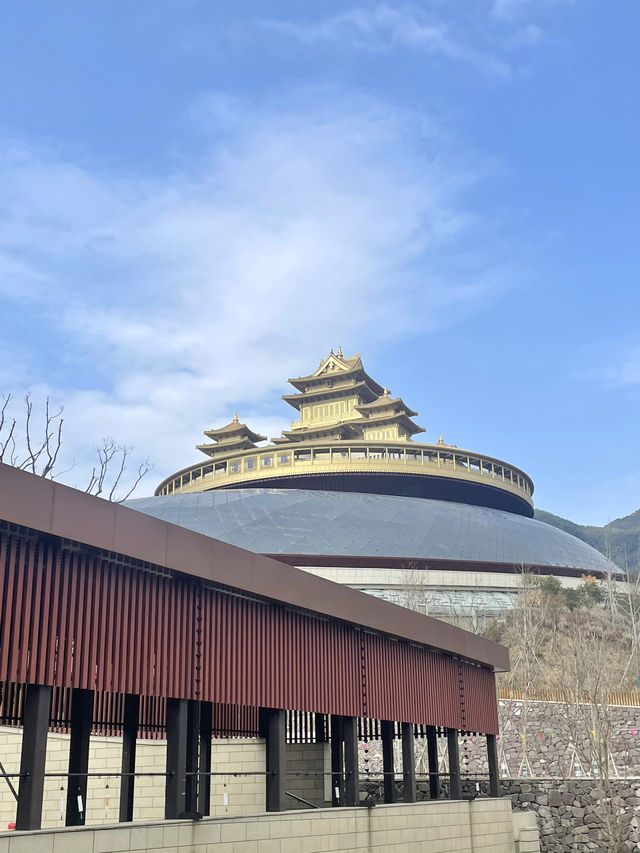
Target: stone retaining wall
<point>569,812</point>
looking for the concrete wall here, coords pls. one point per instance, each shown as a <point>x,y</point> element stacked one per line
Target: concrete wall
<point>482,826</point>
<point>308,766</point>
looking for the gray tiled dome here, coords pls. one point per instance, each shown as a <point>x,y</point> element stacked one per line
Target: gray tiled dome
<point>294,521</point>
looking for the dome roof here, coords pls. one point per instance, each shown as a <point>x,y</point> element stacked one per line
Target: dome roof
<point>296,521</point>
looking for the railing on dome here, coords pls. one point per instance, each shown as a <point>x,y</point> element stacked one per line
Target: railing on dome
<point>262,463</point>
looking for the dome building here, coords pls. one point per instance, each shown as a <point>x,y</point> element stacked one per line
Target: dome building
<point>349,494</point>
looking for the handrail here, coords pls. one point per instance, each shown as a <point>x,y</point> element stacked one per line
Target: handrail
<point>258,463</point>
<point>301,800</point>
<point>630,699</point>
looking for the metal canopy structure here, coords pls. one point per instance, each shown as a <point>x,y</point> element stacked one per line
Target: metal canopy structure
<point>99,601</point>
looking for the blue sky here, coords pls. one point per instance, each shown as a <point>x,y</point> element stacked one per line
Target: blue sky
<point>199,199</point>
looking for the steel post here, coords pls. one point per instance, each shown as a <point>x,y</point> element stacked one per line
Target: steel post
<point>81,720</point>
<point>35,726</point>
<point>408,763</point>
<point>387,730</point>
<point>129,735</point>
<point>174,803</point>
<point>204,786</point>
<point>276,733</point>
<point>454,764</point>
<point>337,760</point>
<point>494,772</point>
<point>432,757</point>
<point>352,777</point>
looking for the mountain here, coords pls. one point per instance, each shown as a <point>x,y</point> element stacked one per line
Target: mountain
<point>619,540</point>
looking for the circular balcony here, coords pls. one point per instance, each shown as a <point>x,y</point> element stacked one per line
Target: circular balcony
<point>400,468</point>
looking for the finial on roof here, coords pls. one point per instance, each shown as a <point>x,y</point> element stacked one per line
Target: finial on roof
<point>235,418</point>
<point>339,352</point>
<point>441,439</point>
<point>331,353</point>
<point>385,391</point>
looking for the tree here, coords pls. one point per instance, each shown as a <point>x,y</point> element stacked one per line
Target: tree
<point>36,448</point>
<point>588,671</point>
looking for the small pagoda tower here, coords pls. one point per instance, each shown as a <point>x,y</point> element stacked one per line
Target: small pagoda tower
<point>230,439</point>
<point>388,418</point>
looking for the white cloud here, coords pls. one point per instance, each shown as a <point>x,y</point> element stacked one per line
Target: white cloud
<point>625,372</point>
<point>526,36</point>
<point>511,10</point>
<point>384,28</point>
<point>175,301</point>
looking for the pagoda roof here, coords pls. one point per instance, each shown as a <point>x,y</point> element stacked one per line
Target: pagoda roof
<point>363,388</point>
<point>335,364</point>
<point>340,430</point>
<point>226,447</point>
<point>393,418</point>
<point>386,402</point>
<point>234,428</point>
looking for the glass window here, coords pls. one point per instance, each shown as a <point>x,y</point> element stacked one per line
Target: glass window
<point>234,467</point>
<point>284,459</point>
<point>250,463</point>
<point>266,461</point>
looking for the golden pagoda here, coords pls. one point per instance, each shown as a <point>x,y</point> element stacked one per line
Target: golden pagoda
<point>341,401</point>
<point>351,435</point>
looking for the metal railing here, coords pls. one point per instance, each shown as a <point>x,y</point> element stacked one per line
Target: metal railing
<point>261,463</point>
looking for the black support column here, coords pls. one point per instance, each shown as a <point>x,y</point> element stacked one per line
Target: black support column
<point>408,763</point>
<point>432,757</point>
<point>204,786</point>
<point>494,773</point>
<point>129,735</point>
<point>352,777</point>
<point>35,725</point>
<point>81,720</point>
<point>337,760</point>
<point>174,803</point>
<point>387,731</point>
<point>275,731</point>
<point>454,764</point>
<point>193,738</point>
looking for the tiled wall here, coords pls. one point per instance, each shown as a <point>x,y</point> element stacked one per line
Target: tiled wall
<point>230,794</point>
<point>244,794</point>
<point>480,826</point>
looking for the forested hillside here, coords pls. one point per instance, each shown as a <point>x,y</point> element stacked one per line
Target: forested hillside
<point>620,539</point>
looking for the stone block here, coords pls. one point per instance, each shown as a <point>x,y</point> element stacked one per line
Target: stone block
<point>111,840</point>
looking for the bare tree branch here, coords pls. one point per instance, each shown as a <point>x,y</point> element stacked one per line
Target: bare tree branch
<point>42,449</point>
<point>9,441</point>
